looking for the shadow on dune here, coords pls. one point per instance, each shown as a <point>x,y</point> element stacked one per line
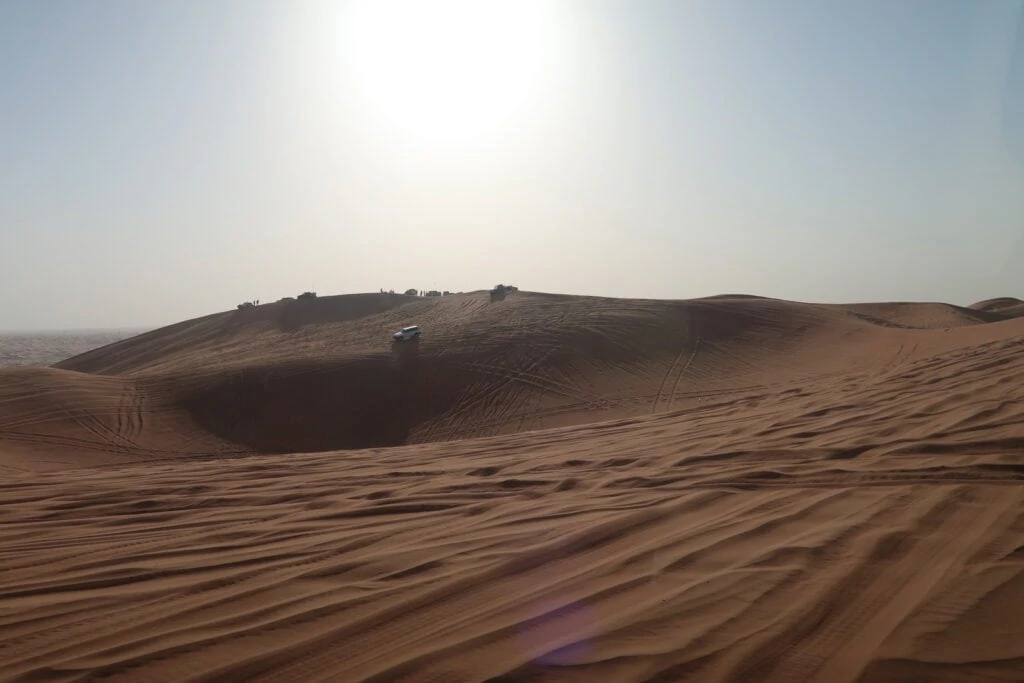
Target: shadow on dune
<point>363,403</point>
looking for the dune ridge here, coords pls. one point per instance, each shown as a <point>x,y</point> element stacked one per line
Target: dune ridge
<point>545,488</point>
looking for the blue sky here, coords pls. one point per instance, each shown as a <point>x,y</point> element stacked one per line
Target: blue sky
<point>167,160</point>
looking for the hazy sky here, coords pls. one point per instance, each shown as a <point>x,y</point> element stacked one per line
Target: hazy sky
<point>163,160</point>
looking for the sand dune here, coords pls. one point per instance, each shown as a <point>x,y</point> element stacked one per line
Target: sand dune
<point>545,488</point>
<point>1007,306</point>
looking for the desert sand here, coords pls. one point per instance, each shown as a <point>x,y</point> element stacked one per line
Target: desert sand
<point>546,488</point>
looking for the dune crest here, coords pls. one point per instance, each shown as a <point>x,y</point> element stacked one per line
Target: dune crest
<point>544,488</point>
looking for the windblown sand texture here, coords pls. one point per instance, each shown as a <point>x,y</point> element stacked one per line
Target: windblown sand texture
<point>545,488</point>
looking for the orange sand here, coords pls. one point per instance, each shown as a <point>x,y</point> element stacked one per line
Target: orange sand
<point>547,488</point>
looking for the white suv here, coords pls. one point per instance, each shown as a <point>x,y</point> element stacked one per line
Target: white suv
<point>407,333</point>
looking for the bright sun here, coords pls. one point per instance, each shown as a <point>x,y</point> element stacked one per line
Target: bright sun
<point>448,70</point>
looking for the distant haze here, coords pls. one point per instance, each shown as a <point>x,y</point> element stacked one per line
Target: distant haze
<point>167,160</point>
<point>41,348</point>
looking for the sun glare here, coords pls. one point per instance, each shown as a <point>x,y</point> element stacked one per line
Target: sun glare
<point>448,70</point>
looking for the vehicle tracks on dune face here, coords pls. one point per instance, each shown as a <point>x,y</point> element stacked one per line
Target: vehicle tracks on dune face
<point>90,420</point>
<point>494,398</point>
<point>903,355</point>
<point>682,371</point>
<point>545,384</point>
<point>103,444</point>
<point>129,415</point>
<point>710,400</point>
<point>477,400</point>
<point>678,368</point>
<point>105,434</point>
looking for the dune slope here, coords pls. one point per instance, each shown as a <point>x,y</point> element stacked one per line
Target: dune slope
<point>730,488</point>
<point>322,375</point>
<point>1006,307</point>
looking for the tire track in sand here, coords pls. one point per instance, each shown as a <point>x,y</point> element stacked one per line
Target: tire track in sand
<point>660,396</point>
